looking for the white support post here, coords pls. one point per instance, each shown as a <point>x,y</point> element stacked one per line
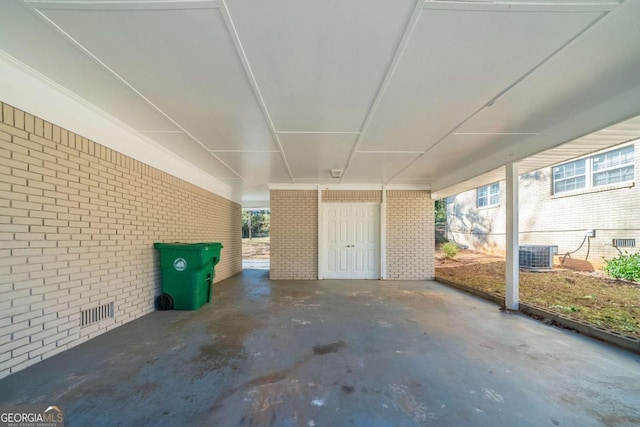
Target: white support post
<point>321,248</point>
<point>383,234</point>
<point>513,246</point>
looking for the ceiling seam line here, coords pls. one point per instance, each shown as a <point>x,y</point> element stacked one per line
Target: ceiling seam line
<point>295,132</point>
<point>399,52</point>
<point>129,86</point>
<point>124,5</point>
<point>507,89</point>
<point>235,37</point>
<point>533,6</point>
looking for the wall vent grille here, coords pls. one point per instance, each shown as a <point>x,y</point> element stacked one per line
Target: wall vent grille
<point>537,257</point>
<point>96,314</point>
<point>624,243</point>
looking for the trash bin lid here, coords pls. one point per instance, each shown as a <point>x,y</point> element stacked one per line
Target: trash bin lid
<point>187,246</point>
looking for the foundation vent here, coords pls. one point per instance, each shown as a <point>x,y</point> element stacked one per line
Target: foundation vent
<point>96,314</point>
<point>624,243</point>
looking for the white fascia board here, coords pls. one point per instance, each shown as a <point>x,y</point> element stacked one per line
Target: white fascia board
<point>24,88</point>
<point>362,187</point>
<point>256,205</point>
<point>356,187</point>
<point>408,187</point>
<point>293,186</point>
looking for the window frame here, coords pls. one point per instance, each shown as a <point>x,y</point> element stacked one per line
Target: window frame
<point>489,195</point>
<point>572,177</point>
<point>589,173</point>
<point>613,168</point>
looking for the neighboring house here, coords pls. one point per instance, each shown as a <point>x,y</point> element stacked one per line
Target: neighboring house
<point>558,205</point>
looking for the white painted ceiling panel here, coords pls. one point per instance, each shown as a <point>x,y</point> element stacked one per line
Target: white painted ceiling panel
<point>453,151</point>
<point>544,99</point>
<point>588,86</point>
<point>376,168</point>
<point>182,145</point>
<point>26,37</point>
<point>219,70</point>
<point>319,64</point>
<point>257,168</point>
<point>458,61</point>
<point>184,62</point>
<point>604,139</point>
<point>314,155</point>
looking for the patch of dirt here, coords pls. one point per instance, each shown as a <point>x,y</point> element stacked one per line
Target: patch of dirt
<point>589,297</point>
<point>256,248</point>
<point>465,257</point>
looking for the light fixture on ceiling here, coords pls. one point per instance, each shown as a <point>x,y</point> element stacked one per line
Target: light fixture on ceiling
<point>336,173</point>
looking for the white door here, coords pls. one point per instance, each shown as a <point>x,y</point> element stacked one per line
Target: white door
<point>352,241</point>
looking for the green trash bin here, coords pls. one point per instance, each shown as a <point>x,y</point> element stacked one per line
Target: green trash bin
<point>187,271</point>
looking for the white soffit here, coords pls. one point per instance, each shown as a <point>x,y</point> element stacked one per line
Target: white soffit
<point>183,61</point>
<point>621,133</point>
<point>542,71</point>
<point>589,86</point>
<point>74,113</point>
<point>314,155</point>
<point>319,63</point>
<point>183,146</point>
<point>455,63</point>
<point>542,100</point>
<point>452,152</point>
<point>376,167</point>
<point>25,37</point>
<point>257,168</point>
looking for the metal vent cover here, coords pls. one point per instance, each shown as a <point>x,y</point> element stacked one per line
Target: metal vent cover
<point>94,315</point>
<point>624,243</point>
<point>537,257</point>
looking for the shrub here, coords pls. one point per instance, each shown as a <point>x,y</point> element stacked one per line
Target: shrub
<point>450,249</point>
<point>625,266</point>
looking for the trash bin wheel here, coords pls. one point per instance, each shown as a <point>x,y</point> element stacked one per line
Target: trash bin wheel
<point>164,302</point>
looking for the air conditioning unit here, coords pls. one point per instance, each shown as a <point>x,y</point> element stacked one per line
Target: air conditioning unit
<point>537,257</point>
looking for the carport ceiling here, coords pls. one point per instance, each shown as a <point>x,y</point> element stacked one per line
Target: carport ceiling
<point>392,92</point>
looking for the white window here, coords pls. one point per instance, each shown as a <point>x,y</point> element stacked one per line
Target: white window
<point>570,176</point>
<point>613,166</point>
<point>489,195</point>
<point>607,168</point>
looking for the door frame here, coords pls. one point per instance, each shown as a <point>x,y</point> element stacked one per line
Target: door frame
<point>322,243</point>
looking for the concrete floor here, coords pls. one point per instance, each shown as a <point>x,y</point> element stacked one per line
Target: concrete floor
<point>336,353</point>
